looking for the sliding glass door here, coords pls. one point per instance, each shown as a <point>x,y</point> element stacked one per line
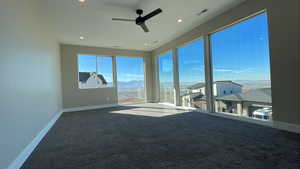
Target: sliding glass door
<point>241,69</point>
<point>130,75</point>
<point>192,75</point>
<point>165,70</point>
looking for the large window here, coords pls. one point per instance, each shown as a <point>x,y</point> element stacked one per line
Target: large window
<point>130,74</point>
<point>165,68</point>
<point>192,75</point>
<point>94,71</point>
<point>241,69</point>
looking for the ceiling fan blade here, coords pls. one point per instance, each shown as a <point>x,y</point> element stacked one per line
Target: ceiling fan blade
<point>144,27</point>
<point>151,14</point>
<point>122,19</point>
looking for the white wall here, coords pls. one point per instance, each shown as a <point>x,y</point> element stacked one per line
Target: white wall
<point>30,92</point>
<point>220,87</point>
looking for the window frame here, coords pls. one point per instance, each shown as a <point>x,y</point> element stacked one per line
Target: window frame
<point>211,101</point>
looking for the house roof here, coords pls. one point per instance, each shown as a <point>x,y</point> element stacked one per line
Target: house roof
<point>228,81</point>
<point>84,76</point>
<point>102,79</point>
<point>193,95</point>
<point>262,95</point>
<point>196,86</point>
<point>200,85</point>
<point>199,96</point>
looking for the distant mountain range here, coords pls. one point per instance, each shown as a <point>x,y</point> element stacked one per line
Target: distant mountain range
<point>131,84</point>
<point>140,83</point>
<point>262,83</point>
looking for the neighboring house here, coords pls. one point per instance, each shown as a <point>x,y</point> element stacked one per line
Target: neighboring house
<point>229,98</point>
<point>245,104</point>
<point>220,88</point>
<point>91,80</point>
<point>195,97</point>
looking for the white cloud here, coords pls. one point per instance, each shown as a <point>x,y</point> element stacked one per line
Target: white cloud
<point>223,70</point>
<point>248,70</point>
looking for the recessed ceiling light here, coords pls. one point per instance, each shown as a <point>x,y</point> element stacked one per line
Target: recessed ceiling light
<point>81,38</point>
<point>179,20</point>
<point>146,44</point>
<point>81,1</point>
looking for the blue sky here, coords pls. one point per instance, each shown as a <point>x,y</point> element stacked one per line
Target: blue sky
<point>240,52</point>
<point>130,68</point>
<point>191,62</point>
<point>165,68</point>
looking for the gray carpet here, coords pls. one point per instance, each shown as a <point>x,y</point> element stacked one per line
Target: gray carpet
<point>100,139</point>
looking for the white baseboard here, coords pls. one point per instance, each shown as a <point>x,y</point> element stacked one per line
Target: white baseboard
<point>129,104</point>
<point>82,108</point>
<point>287,126</point>
<point>167,104</point>
<point>22,157</point>
<point>241,118</point>
<point>273,124</point>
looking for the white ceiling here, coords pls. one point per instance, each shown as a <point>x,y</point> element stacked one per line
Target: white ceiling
<point>92,20</point>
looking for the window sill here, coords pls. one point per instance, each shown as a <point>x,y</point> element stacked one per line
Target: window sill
<point>268,123</point>
<point>95,88</point>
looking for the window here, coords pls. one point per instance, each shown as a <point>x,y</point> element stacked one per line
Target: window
<point>104,68</point>
<point>166,88</point>
<point>241,64</point>
<point>192,75</point>
<point>94,71</point>
<point>130,74</point>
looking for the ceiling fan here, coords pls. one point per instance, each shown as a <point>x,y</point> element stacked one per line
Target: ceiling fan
<point>140,20</point>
